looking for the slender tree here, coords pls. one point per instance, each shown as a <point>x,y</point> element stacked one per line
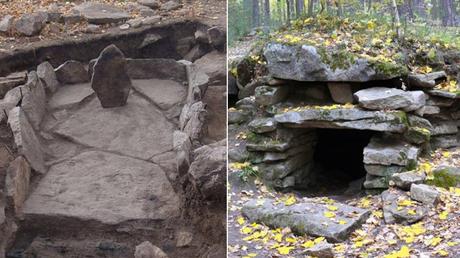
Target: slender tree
<point>288,11</point>
<point>267,13</point>
<point>255,14</point>
<point>310,7</point>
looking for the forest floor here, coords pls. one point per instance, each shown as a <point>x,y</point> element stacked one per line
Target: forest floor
<point>210,12</point>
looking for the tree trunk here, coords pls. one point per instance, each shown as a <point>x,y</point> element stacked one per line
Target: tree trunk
<point>448,14</point>
<point>397,21</point>
<point>267,13</point>
<point>255,14</point>
<point>310,7</point>
<point>288,11</point>
<point>299,7</point>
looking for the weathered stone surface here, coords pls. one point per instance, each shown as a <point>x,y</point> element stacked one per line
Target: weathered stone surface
<point>154,4</point>
<point>34,100</point>
<point>282,144</point>
<point>26,140</point>
<point>306,217</point>
<point>347,118</point>
<point>376,182</point>
<point>428,110</point>
<point>322,249</point>
<point>110,80</point>
<point>278,156</point>
<point>182,146</point>
<point>417,135</point>
<point>268,95</point>
<point>71,72</point>
<point>171,6</point>
<point>157,68</point>
<point>12,80</point>
<point>147,250</point>
<point>17,182</point>
<point>428,80</point>
<point>443,128</point>
<point>445,141</point>
<point>262,125</point>
<point>127,130</point>
<point>394,213</point>
<point>101,13</point>
<point>417,121</point>
<point>31,24</point>
<point>73,190</point>
<point>6,23</point>
<point>341,92</point>
<point>236,116</point>
<point>217,37</point>
<point>379,170</point>
<point>213,65</point>
<point>208,171</point>
<point>424,194</point>
<point>444,94</point>
<point>280,170</point>
<point>390,152</point>
<point>439,101</point>
<point>193,120</point>
<point>184,238</point>
<point>404,180</point>
<point>380,98</point>
<point>70,96</point>
<point>304,63</point>
<point>45,72</point>
<point>164,93</point>
<point>446,176</point>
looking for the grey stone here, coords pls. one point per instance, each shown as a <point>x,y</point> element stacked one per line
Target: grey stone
<point>72,72</point>
<point>70,96</point>
<point>151,19</point>
<point>404,180</point>
<point>17,183</point>
<point>322,249</point>
<point>446,176</point>
<point>12,80</point>
<point>444,141</point>
<point>194,119</point>
<point>268,95</point>
<point>444,94</point>
<point>110,79</point>
<point>443,128</point>
<point>147,250</point>
<point>101,13</point>
<point>428,80</point>
<point>171,6</point>
<point>164,69</point>
<point>72,189</point>
<point>126,130</point>
<point>154,4</point>
<point>182,146</point>
<point>417,121</point>
<point>184,238</point>
<point>428,110</point>
<point>282,169</point>
<point>439,101</point>
<point>124,26</point>
<point>385,171</point>
<point>72,18</point>
<point>26,139</point>
<point>45,72</point>
<point>135,23</point>
<point>341,92</point>
<point>306,217</point>
<point>236,116</point>
<point>278,156</point>
<point>213,65</point>
<point>262,125</point>
<point>164,93</point>
<point>347,118</point>
<point>304,63</point>
<point>6,24</point>
<point>280,145</point>
<point>31,24</point>
<point>424,194</point>
<point>389,151</point>
<point>208,171</point>
<point>201,37</point>
<point>394,213</point>
<point>376,182</point>
<point>34,100</point>
<point>238,153</point>
<point>313,92</point>
<point>217,37</point>
<point>380,98</point>
<point>198,83</point>
<point>150,38</point>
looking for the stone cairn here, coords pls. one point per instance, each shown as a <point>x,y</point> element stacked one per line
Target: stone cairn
<point>307,94</point>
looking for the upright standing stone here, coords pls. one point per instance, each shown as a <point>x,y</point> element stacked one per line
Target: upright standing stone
<point>110,79</point>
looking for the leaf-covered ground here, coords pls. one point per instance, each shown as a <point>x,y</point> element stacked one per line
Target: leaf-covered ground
<point>437,235</point>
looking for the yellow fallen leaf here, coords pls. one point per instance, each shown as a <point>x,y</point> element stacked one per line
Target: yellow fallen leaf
<point>290,201</point>
<point>240,220</point>
<point>308,244</point>
<point>434,241</point>
<point>404,252</point>
<point>342,222</point>
<point>405,203</point>
<point>284,250</point>
<point>446,154</point>
<point>364,202</point>
<point>251,255</point>
<point>443,215</point>
<point>278,237</point>
<point>443,253</point>
<point>332,208</point>
<point>339,248</point>
<point>319,240</point>
<point>411,212</point>
<point>291,240</point>
<point>329,214</point>
<point>246,230</point>
<point>451,243</point>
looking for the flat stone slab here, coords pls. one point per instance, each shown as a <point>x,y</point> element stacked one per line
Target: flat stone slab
<point>137,129</point>
<point>164,93</point>
<point>307,217</point>
<point>104,187</point>
<point>390,152</point>
<point>70,96</point>
<point>100,13</point>
<point>346,118</point>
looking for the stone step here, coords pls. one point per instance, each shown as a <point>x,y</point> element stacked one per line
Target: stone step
<point>307,217</point>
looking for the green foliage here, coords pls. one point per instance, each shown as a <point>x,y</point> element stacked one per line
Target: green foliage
<point>248,172</point>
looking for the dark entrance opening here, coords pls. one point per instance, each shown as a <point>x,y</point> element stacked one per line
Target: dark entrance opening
<point>339,160</point>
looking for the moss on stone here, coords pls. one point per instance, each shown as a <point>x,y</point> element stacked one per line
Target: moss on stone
<point>389,69</point>
<point>443,178</point>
